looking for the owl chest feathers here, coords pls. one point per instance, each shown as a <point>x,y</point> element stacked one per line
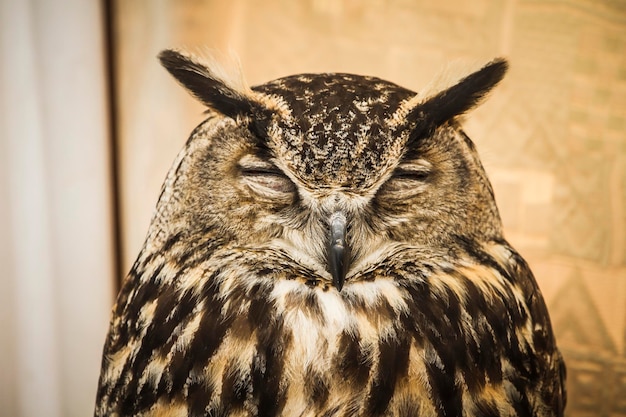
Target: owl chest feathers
<point>262,335</point>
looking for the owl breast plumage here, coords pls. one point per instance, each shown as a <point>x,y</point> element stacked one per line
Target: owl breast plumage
<point>329,245</point>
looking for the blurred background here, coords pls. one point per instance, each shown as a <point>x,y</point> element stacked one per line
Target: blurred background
<point>89,124</point>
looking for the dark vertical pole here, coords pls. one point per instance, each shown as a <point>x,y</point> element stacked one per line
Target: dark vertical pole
<point>110,61</point>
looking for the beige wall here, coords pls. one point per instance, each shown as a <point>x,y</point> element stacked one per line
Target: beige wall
<point>56,246</point>
<point>552,136</point>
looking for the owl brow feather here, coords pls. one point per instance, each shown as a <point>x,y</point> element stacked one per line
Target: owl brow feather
<point>209,83</point>
<point>464,95</point>
<point>227,94</point>
<point>427,111</point>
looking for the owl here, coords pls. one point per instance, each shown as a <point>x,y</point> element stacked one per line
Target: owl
<point>329,245</point>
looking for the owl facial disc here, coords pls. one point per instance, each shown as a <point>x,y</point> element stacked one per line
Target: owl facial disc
<point>338,251</point>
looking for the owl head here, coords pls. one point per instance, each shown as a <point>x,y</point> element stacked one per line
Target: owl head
<point>333,172</point>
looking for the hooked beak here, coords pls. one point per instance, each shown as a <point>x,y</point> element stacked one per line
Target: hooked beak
<point>338,251</point>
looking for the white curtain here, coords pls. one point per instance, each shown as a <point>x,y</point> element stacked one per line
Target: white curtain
<point>55,208</point>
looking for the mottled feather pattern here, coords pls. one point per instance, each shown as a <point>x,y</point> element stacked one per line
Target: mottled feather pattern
<point>442,323</point>
<point>231,309</point>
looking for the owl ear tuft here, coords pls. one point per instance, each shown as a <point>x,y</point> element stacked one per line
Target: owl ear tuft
<point>461,97</point>
<point>208,83</point>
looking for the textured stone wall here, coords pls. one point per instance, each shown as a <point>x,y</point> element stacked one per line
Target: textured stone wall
<point>552,136</point>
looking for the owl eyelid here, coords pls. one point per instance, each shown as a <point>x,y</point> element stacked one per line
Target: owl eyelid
<point>418,172</point>
<point>270,185</point>
<point>264,178</point>
<point>262,171</point>
<point>253,165</point>
<point>411,175</point>
<point>408,179</point>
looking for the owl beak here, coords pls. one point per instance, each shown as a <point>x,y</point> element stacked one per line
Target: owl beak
<point>338,251</point>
